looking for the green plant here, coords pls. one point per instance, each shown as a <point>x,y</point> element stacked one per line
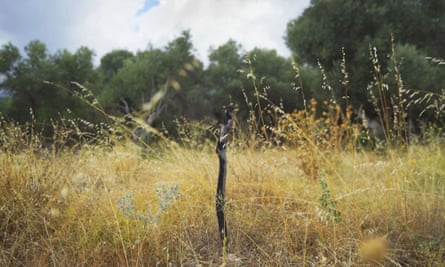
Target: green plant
<point>328,204</point>
<point>166,196</point>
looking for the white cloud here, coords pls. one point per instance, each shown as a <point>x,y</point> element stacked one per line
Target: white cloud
<point>104,25</point>
<point>253,23</point>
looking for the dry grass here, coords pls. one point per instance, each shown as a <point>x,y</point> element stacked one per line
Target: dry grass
<point>313,193</point>
<point>99,207</point>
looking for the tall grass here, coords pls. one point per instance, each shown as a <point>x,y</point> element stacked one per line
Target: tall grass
<point>116,208</point>
<point>302,192</point>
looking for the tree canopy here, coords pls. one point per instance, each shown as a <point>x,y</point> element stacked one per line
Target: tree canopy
<point>328,25</point>
<point>356,26</point>
<point>26,80</point>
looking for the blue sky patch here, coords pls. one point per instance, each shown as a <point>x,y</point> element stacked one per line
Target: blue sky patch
<point>147,6</point>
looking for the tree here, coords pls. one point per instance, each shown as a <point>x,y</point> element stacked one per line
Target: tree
<point>112,62</point>
<point>69,68</point>
<point>274,78</point>
<point>9,56</point>
<point>222,76</point>
<point>327,26</point>
<point>172,70</point>
<point>25,83</point>
<point>25,80</point>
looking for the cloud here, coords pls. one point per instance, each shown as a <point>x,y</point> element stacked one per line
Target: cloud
<point>29,20</point>
<point>104,25</point>
<point>253,23</point>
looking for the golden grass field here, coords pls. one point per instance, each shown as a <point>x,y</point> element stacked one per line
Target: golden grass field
<point>114,207</point>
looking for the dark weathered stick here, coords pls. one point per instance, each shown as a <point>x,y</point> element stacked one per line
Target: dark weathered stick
<point>221,188</point>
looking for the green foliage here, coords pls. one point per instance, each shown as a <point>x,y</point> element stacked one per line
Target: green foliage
<point>25,80</point>
<point>129,82</point>
<point>222,77</point>
<point>274,77</point>
<point>335,58</point>
<point>254,80</point>
<point>328,204</point>
<point>112,62</point>
<point>9,55</point>
<point>328,26</point>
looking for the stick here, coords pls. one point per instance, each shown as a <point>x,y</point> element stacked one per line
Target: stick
<point>221,188</point>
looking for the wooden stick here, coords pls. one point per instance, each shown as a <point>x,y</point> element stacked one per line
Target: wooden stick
<point>221,187</point>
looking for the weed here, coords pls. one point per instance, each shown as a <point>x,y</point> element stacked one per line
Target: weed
<point>166,196</point>
<point>328,204</point>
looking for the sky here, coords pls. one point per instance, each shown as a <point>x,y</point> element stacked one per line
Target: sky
<point>105,25</point>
